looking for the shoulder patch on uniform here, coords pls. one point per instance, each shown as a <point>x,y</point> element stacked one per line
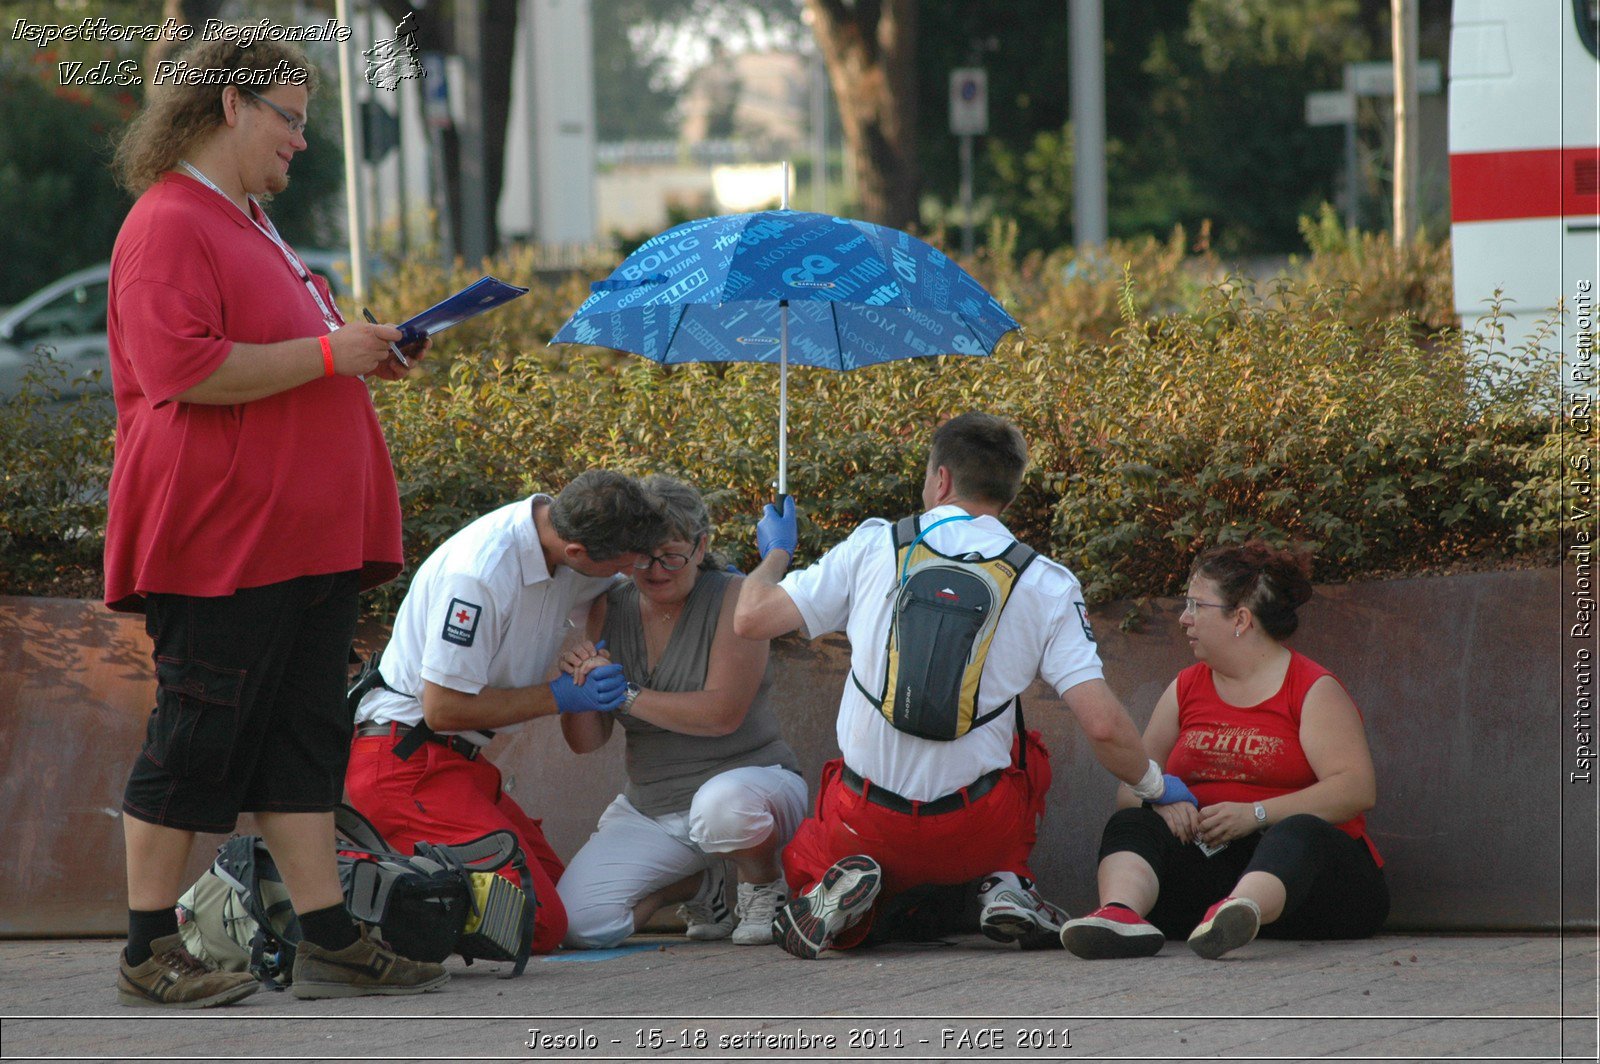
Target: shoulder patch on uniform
<point>461,623</point>
<point>1083,619</point>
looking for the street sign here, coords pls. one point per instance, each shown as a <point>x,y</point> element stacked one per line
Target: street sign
<point>1330,108</point>
<point>969,101</point>
<point>1377,79</point>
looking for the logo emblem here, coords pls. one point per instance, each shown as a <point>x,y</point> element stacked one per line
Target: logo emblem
<point>461,622</point>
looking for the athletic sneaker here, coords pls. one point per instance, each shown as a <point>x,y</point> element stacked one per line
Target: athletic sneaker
<point>1111,931</point>
<point>808,924</point>
<point>706,915</point>
<point>1013,911</point>
<point>756,908</point>
<point>366,966</point>
<point>1229,924</point>
<point>173,978</point>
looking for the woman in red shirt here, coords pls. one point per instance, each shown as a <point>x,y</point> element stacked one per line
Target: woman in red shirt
<point>1274,750</point>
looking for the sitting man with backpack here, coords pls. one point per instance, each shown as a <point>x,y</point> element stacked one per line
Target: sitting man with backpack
<point>473,642</point>
<point>949,619</point>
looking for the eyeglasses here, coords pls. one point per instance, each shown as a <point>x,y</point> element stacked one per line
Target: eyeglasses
<point>297,125</point>
<point>670,562</point>
<point>1194,605</point>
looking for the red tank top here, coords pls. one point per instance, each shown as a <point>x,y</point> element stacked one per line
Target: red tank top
<point>1228,753</point>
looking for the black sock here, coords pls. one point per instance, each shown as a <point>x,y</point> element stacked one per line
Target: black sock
<point>331,928</point>
<point>1119,905</point>
<point>144,927</point>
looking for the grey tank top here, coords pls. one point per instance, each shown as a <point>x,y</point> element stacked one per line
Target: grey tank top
<point>666,768</point>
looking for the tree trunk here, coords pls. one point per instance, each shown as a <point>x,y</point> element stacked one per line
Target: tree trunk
<point>870,47</point>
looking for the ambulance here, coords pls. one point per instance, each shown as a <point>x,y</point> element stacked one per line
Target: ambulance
<point>1525,162</point>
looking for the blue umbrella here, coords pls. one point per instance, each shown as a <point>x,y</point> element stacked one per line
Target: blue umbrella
<point>788,286</point>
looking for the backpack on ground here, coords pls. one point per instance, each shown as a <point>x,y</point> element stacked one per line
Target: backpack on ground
<point>438,901</point>
<point>945,612</point>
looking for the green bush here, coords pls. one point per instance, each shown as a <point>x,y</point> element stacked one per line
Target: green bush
<point>55,440</point>
<point>1169,420</point>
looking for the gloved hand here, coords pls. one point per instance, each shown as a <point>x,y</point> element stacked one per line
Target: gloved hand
<point>602,691</point>
<point>1175,790</point>
<point>777,529</point>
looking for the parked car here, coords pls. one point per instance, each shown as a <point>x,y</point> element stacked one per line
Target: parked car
<point>68,316</point>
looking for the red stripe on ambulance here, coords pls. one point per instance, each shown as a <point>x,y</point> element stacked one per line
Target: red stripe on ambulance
<point>1547,183</point>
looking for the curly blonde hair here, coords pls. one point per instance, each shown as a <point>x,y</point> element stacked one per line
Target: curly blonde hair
<point>177,114</point>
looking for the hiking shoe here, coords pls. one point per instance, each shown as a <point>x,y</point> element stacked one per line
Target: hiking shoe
<point>1111,932</point>
<point>808,925</point>
<point>174,978</point>
<point>366,966</point>
<point>756,908</point>
<point>1013,911</point>
<point>1229,924</point>
<point>706,916</point>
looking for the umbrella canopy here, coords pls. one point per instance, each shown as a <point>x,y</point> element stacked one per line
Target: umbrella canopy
<point>859,294</point>
<point>788,286</point>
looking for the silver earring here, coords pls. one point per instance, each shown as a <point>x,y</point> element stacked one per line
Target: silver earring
<point>1237,633</point>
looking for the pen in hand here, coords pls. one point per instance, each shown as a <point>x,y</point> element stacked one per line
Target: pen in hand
<point>393,349</point>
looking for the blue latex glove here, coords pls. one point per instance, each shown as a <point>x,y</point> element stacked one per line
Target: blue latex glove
<point>777,530</point>
<point>1175,790</point>
<point>602,691</point>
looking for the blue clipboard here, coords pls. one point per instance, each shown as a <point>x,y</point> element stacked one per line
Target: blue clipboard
<point>485,293</point>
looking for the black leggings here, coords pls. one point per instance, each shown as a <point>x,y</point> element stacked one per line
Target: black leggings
<point>1335,889</point>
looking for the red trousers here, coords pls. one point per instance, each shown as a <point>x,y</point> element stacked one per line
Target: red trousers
<point>994,834</point>
<point>439,796</point>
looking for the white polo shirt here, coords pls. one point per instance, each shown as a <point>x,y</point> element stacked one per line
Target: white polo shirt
<point>482,611</point>
<point>1043,631</point>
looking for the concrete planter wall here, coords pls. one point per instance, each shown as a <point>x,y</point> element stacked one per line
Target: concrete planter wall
<point>1459,678</point>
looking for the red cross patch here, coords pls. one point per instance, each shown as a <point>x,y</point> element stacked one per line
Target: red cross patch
<point>461,622</point>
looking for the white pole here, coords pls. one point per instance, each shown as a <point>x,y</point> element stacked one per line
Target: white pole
<point>1403,20</point>
<point>966,194</point>
<point>355,218</point>
<point>783,398</point>
<point>783,368</point>
<point>1087,74</point>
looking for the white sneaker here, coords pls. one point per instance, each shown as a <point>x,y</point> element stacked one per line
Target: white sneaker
<point>756,908</point>
<point>1013,911</point>
<point>706,915</point>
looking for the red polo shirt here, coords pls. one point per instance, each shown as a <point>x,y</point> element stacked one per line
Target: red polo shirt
<point>208,499</point>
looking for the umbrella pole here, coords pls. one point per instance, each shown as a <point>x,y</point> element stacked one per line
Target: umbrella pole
<point>783,365</point>
<point>783,398</point>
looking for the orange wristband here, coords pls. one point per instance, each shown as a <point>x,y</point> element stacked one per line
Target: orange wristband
<point>327,356</point>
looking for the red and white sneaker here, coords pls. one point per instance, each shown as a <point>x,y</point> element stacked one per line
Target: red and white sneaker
<point>1111,932</point>
<point>1229,924</point>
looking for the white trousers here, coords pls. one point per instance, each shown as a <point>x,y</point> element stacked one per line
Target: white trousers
<point>631,855</point>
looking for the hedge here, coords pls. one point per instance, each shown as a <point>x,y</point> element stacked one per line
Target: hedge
<point>1306,411</point>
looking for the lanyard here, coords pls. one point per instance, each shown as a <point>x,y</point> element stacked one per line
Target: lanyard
<point>330,317</point>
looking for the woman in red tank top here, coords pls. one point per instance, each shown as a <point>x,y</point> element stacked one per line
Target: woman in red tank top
<point>1274,750</point>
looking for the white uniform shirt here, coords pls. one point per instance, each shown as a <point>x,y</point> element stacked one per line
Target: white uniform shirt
<point>1043,631</point>
<point>482,611</point>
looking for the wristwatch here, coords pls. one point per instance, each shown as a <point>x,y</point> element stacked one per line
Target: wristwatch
<point>632,694</point>
<point>1261,814</point>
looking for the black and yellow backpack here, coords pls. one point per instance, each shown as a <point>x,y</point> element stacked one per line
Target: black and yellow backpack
<point>945,613</point>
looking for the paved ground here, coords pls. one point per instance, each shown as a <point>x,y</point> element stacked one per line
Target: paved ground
<point>1395,997</point>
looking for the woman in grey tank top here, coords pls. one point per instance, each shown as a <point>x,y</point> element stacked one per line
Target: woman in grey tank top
<point>712,786</point>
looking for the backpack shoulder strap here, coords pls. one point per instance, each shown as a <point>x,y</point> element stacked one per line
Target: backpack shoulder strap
<point>1019,555</point>
<point>351,826</point>
<point>490,853</point>
<point>905,531</point>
